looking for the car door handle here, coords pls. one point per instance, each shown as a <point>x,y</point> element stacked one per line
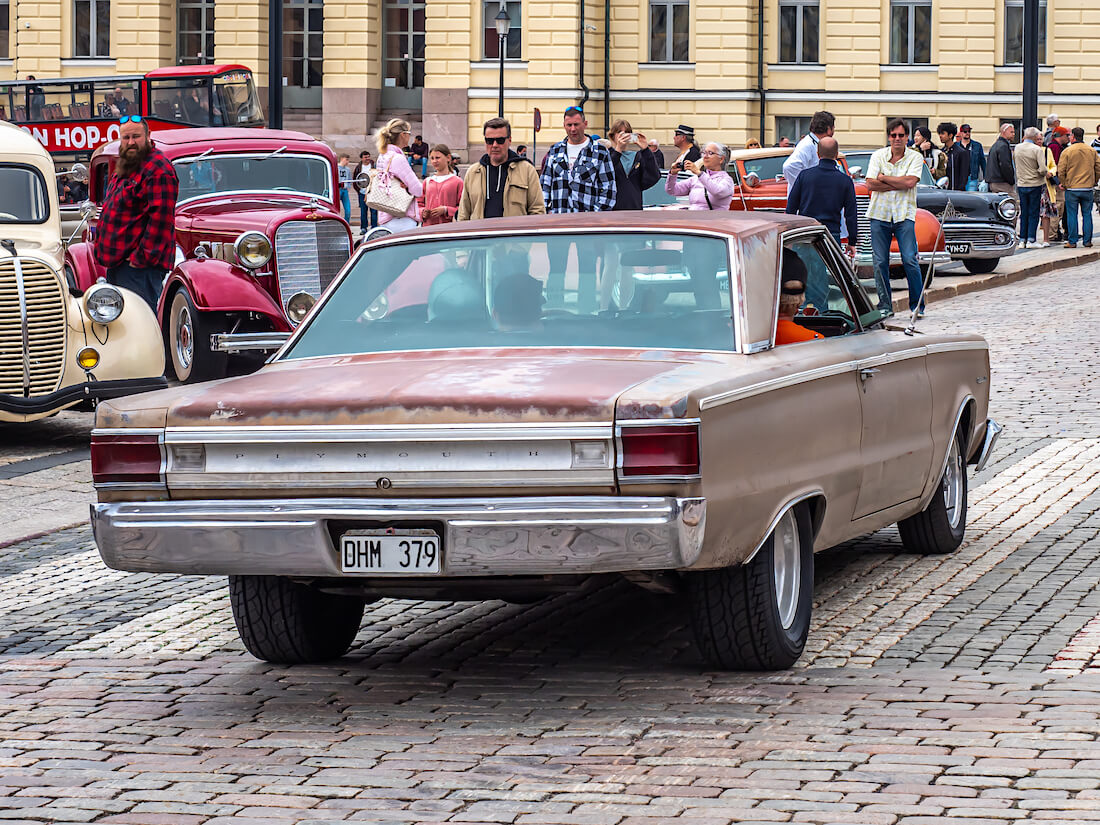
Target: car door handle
<point>867,372</point>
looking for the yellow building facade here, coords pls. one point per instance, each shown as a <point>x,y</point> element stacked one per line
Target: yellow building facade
<point>349,64</point>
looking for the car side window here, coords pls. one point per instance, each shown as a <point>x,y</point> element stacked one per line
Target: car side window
<point>826,308</point>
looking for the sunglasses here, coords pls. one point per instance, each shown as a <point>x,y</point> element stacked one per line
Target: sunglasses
<point>574,110</point>
<point>754,145</point>
<point>899,135</point>
<point>489,141</point>
<point>129,119</point>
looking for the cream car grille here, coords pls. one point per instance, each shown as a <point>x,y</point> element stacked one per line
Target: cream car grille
<point>308,255</point>
<point>32,329</point>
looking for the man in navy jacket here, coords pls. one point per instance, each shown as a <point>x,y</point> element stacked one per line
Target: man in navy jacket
<point>826,193</point>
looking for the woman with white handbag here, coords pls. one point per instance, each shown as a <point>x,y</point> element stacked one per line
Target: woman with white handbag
<point>394,187</point>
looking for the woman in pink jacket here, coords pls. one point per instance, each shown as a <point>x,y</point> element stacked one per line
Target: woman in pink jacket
<point>443,190</point>
<point>711,186</point>
<point>392,140</point>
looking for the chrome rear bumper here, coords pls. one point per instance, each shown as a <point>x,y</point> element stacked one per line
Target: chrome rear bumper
<point>486,537</point>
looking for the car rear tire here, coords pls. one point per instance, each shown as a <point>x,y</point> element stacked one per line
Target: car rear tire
<point>284,622</point>
<point>940,527</point>
<point>981,266</point>
<point>188,342</point>
<point>757,616</point>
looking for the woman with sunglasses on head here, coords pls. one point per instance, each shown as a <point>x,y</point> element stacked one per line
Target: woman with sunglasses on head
<point>394,170</point>
<point>710,187</point>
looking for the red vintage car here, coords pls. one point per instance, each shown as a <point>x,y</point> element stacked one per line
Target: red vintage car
<point>758,174</point>
<point>259,236</point>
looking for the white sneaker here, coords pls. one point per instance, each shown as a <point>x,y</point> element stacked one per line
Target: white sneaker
<point>1041,244</point>
<point>1022,245</point>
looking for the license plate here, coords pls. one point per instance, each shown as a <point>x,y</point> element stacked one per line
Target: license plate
<point>958,248</point>
<point>410,551</point>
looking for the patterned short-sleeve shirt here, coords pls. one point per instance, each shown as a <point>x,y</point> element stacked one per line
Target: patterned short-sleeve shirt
<point>898,204</point>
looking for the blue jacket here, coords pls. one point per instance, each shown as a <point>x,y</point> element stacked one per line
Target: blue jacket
<point>977,160</point>
<point>825,193</point>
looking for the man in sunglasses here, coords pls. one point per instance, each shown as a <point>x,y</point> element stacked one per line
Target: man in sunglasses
<point>503,184</point>
<point>892,176</point>
<point>135,237</point>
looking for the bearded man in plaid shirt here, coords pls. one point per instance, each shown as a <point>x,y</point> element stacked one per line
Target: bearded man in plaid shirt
<point>135,238</point>
<point>578,176</point>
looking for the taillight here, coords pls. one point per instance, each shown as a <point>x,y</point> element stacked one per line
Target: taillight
<point>660,450</point>
<point>134,457</point>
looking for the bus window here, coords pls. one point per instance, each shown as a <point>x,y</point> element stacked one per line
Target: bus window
<point>81,107</point>
<point>113,100</point>
<point>186,100</point>
<point>5,102</point>
<point>235,101</point>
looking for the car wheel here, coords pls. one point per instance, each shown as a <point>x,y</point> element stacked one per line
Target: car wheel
<point>188,342</point>
<point>285,622</point>
<point>939,527</point>
<point>981,266</point>
<point>757,616</point>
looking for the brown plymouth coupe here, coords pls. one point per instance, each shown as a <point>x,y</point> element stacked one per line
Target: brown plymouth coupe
<point>501,409</point>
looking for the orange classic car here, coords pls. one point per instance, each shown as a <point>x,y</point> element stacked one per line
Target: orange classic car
<point>534,419</point>
<point>760,186</point>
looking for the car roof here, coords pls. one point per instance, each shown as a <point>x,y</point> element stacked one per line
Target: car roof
<point>19,141</point>
<point>765,152</point>
<point>178,142</point>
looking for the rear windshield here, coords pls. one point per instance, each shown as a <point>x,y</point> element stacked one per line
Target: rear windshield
<point>646,291</point>
<point>24,199</point>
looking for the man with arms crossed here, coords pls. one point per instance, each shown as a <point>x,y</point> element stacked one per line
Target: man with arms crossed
<point>892,177</point>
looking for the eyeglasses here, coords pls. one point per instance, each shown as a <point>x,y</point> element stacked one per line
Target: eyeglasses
<point>573,110</point>
<point>129,119</point>
<point>709,154</point>
<point>489,141</point>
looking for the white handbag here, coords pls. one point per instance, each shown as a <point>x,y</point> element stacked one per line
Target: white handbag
<point>387,194</point>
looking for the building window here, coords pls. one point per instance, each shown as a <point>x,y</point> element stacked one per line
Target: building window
<point>195,38</point>
<point>669,24</point>
<point>303,36</point>
<point>5,29</point>
<point>798,31</point>
<point>792,128</point>
<point>1014,32</point>
<point>514,48</point>
<point>92,37</point>
<point>910,31</point>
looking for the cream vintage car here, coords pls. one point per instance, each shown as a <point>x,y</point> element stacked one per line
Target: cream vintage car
<point>481,411</point>
<point>59,347</point>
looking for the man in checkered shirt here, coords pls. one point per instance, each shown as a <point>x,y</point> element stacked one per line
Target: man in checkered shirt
<point>135,237</point>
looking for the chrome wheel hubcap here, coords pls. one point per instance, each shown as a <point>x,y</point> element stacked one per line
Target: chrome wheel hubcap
<point>953,485</point>
<point>787,568</point>
<point>185,338</point>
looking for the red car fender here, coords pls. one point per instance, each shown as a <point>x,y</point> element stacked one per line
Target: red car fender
<point>217,286</point>
<point>86,269</point>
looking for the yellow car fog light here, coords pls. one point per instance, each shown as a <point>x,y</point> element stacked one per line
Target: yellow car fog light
<point>88,358</point>
<point>298,306</point>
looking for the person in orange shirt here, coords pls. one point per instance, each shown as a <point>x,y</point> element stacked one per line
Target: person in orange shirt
<point>792,294</point>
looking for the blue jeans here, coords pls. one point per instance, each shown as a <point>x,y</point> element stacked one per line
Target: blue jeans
<point>1029,211</point>
<point>881,234</point>
<point>145,282</point>
<point>345,199</point>
<point>1079,199</point>
<point>367,217</point>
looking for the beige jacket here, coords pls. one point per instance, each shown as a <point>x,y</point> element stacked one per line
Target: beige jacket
<point>1079,166</point>
<point>1031,164</point>
<point>522,191</point>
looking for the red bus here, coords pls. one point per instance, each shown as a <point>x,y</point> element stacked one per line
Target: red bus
<point>72,117</point>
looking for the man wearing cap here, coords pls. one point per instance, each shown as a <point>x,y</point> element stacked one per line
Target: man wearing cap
<point>977,157</point>
<point>822,124</point>
<point>792,290</point>
<point>684,141</point>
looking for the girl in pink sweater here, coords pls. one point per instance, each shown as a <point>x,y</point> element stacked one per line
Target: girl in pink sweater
<point>443,190</point>
<point>393,138</point>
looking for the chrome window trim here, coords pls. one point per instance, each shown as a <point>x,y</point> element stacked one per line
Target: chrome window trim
<point>730,396</point>
<point>782,512</point>
<point>236,193</point>
<point>957,346</point>
<point>892,357</point>
<point>420,236</point>
<point>658,422</point>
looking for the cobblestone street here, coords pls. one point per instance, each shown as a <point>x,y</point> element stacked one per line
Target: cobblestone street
<point>934,689</point>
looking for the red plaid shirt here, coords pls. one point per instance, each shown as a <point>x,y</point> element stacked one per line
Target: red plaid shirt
<point>136,224</point>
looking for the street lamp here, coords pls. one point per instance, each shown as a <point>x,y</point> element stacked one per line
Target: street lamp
<point>504,24</point>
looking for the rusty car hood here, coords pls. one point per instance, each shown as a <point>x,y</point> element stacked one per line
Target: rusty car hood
<point>455,387</point>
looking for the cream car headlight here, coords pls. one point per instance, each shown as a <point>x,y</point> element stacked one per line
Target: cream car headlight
<point>1007,209</point>
<point>103,303</point>
<point>253,249</point>
<point>298,306</point>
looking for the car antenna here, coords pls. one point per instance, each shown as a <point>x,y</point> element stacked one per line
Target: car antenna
<point>948,212</point>
<point>273,154</point>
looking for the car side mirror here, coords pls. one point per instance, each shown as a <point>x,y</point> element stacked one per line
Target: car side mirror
<point>942,183</point>
<point>79,173</point>
<point>752,180</point>
<point>87,210</point>
<point>856,172</point>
